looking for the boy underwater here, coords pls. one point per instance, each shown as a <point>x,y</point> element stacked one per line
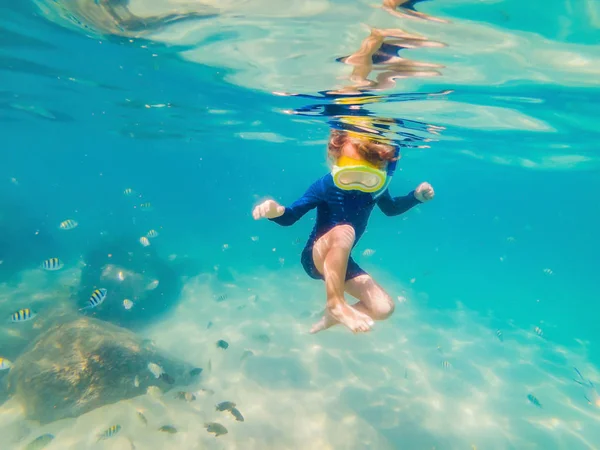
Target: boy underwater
<point>361,171</point>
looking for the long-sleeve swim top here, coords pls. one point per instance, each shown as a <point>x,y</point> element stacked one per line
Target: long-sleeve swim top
<point>336,206</point>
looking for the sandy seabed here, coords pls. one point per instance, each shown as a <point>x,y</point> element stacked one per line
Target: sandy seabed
<point>424,379</point>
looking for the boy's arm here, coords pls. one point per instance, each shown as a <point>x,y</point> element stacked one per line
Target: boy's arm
<point>311,198</point>
<point>397,205</point>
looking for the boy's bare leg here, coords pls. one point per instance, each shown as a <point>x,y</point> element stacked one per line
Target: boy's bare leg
<point>330,255</point>
<point>373,301</point>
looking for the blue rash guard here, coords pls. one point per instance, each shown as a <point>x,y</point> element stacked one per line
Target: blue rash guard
<point>337,207</point>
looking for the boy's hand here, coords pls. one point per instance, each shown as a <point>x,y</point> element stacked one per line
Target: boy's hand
<point>424,192</point>
<point>269,209</point>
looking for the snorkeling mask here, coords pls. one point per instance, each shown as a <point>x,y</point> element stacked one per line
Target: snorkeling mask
<point>355,174</point>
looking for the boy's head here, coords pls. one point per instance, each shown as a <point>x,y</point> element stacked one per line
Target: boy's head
<point>342,143</point>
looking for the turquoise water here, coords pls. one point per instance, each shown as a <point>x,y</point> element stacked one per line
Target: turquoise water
<point>181,109</point>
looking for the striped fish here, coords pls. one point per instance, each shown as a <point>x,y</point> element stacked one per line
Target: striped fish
<point>152,234</point>
<point>144,241</point>
<point>68,224</point>
<point>147,206</point>
<point>534,401</point>
<point>142,417</point>
<point>127,192</point>
<point>236,414</point>
<point>168,429</point>
<point>97,297</point>
<point>5,364</point>
<point>500,335</point>
<point>539,331</point>
<point>40,442</point>
<point>22,315</point>
<point>52,264</point>
<point>110,432</point>
<point>446,365</point>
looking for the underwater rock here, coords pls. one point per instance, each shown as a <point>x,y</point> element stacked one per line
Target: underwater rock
<point>128,271</point>
<point>79,365</point>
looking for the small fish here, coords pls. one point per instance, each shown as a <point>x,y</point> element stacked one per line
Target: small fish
<point>68,224</point>
<point>136,381</point>
<point>152,285</point>
<point>167,378</point>
<point>368,252</point>
<point>590,393</point>
<point>142,417</point>
<point>539,331</point>
<point>152,234</point>
<point>221,298</point>
<point>548,271</point>
<point>254,238</point>
<point>5,364</point>
<point>446,365</point>
<point>209,324</point>
<point>110,432</point>
<point>500,335</point>
<point>534,400</point>
<point>127,304</point>
<point>121,276</point>
<point>222,344</point>
<point>205,392</point>
<point>22,315</point>
<point>154,391</point>
<point>265,339</point>
<point>225,406</point>
<point>127,192</point>
<point>237,414</point>
<point>216,428</point>
<point>97,298</point>
<point>40,442</point>
<point>168,429</point>
<point>195,372</point>
<point>147,206</point>
<point>510,239</point>
<point>187,396</point>
<point>52,264</point>
<point>225,247</point>
<point>155,369</point>
<point>144,241</point>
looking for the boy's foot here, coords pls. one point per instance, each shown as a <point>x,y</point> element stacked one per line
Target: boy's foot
<point>343,313</point>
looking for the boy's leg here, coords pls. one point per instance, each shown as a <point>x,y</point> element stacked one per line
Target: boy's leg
<point>330,255</point>
<point>372,300</point>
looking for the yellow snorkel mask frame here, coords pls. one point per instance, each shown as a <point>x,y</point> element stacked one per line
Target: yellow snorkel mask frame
<point>354,174</point>
<point>357,174</point>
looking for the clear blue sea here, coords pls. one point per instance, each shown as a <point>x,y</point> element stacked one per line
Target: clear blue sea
<point>203,109</point>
